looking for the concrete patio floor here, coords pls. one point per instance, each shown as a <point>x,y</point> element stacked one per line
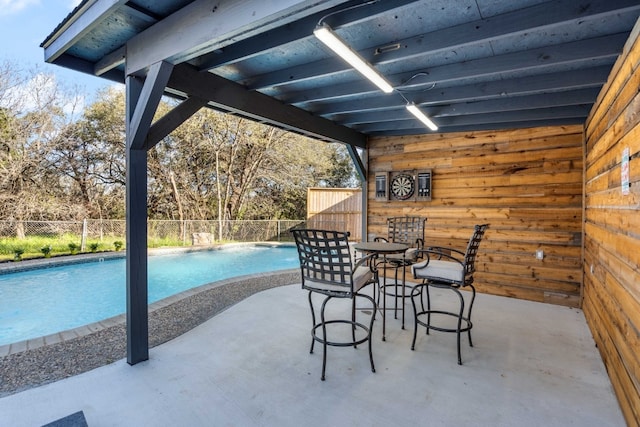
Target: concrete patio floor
<point>532,364</point>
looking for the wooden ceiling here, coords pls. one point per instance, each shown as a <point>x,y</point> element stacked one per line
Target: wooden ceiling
<point>468,64</point>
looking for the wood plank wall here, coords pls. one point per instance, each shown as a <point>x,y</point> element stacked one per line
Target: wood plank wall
<point>337,208</point>
<point>612,228</point>
<point>527,184</point>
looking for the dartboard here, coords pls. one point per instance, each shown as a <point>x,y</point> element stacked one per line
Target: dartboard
<point>402,186</point>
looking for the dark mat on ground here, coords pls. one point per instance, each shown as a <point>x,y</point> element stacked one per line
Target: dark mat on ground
<point>74,420</point>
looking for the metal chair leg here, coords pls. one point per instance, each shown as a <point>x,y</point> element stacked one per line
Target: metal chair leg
<point>421,291</point>
<point>324,340</point>
<point>417,290</point>
<point>370,332</point>
<point>473,298</point>
<point>353,321</point>
<point>324,337</point>
<point>313,322</point>
<point>428,307</point>
<point>460,317</point>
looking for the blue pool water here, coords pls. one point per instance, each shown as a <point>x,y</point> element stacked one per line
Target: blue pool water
<point>41,302</point>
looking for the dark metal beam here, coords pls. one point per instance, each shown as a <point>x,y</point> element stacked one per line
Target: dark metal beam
<point>147,104</point>
<point>232,97</point>
<point>357,162</point>
<point>136,229</point>
<point>87,67</point>
<point>174,118</point>
<point>143,97</point>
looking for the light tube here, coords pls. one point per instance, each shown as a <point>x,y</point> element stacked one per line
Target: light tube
<point>328,37</point>
<point>420,116</point>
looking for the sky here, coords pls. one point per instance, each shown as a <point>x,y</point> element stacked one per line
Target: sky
<point>24,25</point>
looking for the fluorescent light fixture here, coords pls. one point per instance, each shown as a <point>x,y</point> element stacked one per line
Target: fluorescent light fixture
<point>333,42</point>
<point>420,116</point>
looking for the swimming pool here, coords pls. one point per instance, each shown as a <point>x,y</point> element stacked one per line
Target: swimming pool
<point>41,302</point>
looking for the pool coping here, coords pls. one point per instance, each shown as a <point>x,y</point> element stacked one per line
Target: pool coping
<point>31,363</point>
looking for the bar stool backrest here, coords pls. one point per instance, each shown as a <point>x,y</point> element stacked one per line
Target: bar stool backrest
<point>325,259</point>
<point>406,229</point>
<point>472,251</point>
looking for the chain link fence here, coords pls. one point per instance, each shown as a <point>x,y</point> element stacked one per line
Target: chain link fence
<point>164,232</point>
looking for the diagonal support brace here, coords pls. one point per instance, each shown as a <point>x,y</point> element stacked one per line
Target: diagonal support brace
<point>147,104</point>
<point>174,118</point>
<point>357,162</point>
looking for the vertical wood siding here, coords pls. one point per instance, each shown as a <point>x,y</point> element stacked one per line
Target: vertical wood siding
<point>612,228</point>
<point>526,183</point>
<point>336,208</point>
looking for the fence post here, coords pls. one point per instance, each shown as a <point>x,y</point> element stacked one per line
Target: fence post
<point>83,241</point>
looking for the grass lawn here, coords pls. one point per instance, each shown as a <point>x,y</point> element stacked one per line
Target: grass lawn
<point>14,249</point>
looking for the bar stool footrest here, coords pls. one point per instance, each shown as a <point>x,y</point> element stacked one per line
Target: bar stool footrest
<point>466,323</point>
<point>351,343</point>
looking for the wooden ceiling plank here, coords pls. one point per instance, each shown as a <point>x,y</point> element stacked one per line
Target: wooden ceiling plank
<point>206,25</point>
<point>546,15</point>
<point>534,116</point>
<point>419,130</point>
<point>518,103</point>
<point>545,83</point>
<point>605,48</point>
<point>294,31</point>
<point>110,61</point>
<point>73,30</point>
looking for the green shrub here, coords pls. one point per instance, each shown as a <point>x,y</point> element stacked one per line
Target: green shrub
<point>17,254</point>
<point>46,251</point>
<point>73,248</point>
<point>32,245</point>
<point>93,247</point>
<point>117,244</point>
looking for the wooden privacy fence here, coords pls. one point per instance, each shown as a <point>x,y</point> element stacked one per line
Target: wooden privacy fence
<point>341,207</point>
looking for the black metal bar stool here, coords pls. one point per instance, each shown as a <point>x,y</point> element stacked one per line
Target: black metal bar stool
<point>446,268</point>
<point>408,230</point>
<point>327,269</point>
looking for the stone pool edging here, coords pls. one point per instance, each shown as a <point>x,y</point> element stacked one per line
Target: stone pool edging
<point>43,360</point>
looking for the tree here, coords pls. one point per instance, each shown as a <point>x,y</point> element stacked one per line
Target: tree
<point>227,167</point>
<point>34,110</point>
<point>341,173</point>
<point>92,155</point>
<point>61,160</point>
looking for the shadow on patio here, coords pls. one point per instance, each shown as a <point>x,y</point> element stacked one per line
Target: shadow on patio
<point>531,364</point>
